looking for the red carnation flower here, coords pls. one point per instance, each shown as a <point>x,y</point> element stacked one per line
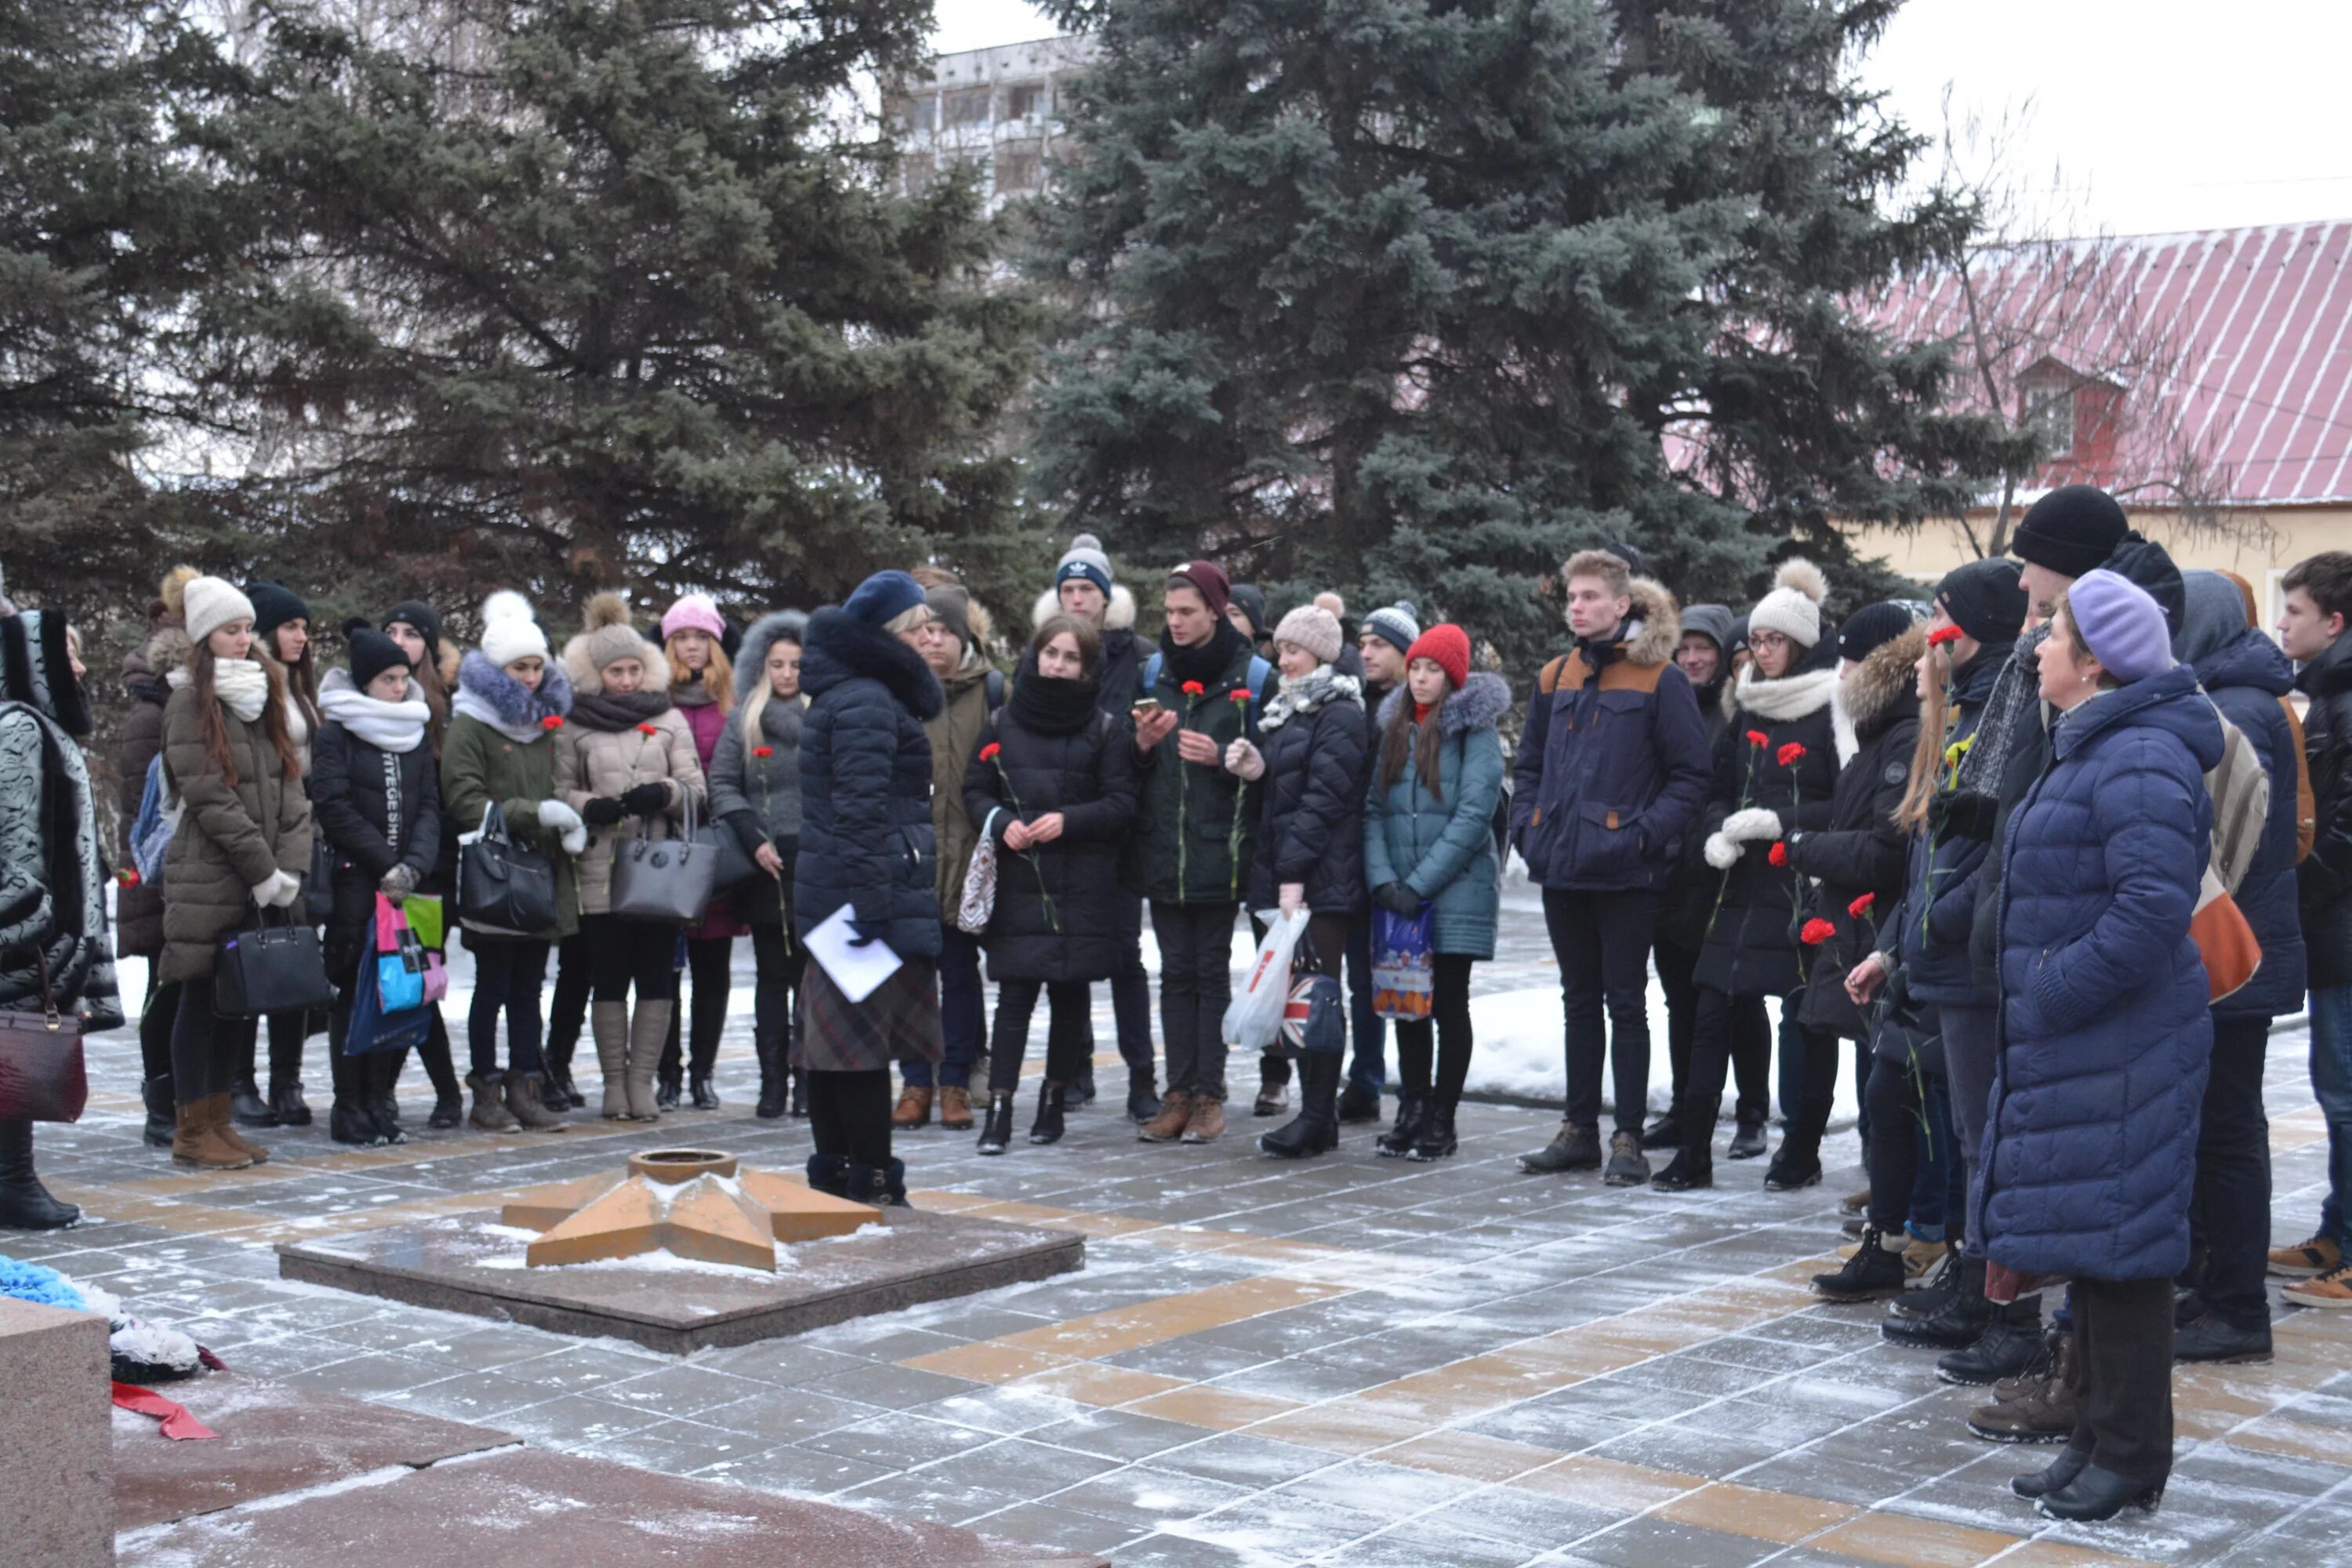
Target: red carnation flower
<point>1194,688</point>
<point>1792,753</point>
<point>763,751</point>
<point>1238,694</point>
<point>988,753</point>
<point>1943,635</point>
<point>128,875</point>
<point>649,729</point>
<point>1778,854</point>
<point>1860,908</point>
<point>1817,933</point>
<point>552,721</point>
<point>1759,739</point>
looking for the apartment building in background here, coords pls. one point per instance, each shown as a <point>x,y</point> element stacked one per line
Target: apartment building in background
<point>994,108</point>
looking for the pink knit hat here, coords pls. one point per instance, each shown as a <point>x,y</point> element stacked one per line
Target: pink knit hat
<point>694,612</point>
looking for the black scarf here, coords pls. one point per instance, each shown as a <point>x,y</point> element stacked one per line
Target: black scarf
<point>1206,663</point>
<point>1050,707</point>
<point>612,712</point>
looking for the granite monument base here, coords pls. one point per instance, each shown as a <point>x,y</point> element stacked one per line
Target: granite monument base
<point>472,1263</point>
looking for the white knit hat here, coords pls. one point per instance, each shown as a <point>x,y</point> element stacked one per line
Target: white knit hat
<point>212,604</point>
<point>510,630</point>
<point>1793,607</point>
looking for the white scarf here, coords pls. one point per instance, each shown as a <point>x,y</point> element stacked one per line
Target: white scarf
<point>240,684</point>
<point>387,726</point>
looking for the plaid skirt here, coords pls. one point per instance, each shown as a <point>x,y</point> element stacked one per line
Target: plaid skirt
<point>898,1023</point>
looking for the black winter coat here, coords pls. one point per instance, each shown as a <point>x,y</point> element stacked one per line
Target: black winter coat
<point>1319,765</point>
<point>866,785</point>
<point>1862,849</point>
<point>1929,934</point>
<point>2324,880</point>
<point>1752,950</point>
<point>1057,750</point>
<point>1690,886</point>
<point>379,809</point>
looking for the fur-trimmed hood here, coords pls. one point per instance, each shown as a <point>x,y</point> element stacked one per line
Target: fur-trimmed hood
<point>1656,620</point>
<point>751,658</point>
<point>510,699</point>
<point>1883,687</point>
<point>1483,699</point>
<point>839,648</point>
<point>1118,616</point>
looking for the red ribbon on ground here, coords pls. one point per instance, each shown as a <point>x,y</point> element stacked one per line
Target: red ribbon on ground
<point>178,1424</point>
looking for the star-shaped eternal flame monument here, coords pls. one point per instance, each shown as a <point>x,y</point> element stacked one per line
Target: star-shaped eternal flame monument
<point>694,1202</point>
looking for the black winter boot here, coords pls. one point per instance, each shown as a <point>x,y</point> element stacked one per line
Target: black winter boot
<point>1142,1095</point>
<point>1081,1092</point>
<point>1316,1128</point>
<point>1873,1272</point>
<point>349,1121</point>
<point>828,1173</point>
<point>378,1072</point>
<point>883,1186</point>
<point>2010,1344</point>
<point>1051,1100</point>
<point>699,1089</point>
<point>1694,1163</point>
<point>1943,1287</point>
<point>666,1087</point>
<point>773,1085</point>
<point>286,1100</point>
<point>162,1122</point>
<point>1436,1139</point>
<point>996,1131</point>
<point>1793,1167</point>
<point>1413,1111</point>
<point>1958,1324</point>
<point>246,1107</point>
<point>799,1107</point>
<point>1359,1103</point>
<point>1747,1138</point>
<point>1665,1132</point>
<point>25,1203</point>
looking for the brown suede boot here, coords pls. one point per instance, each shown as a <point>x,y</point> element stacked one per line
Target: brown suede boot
<point>195,1141</point>
<point>2042,1412</point>
<point>955,1107</point>
<point>914,1107</point>
<point>1175,1110</point>
<point>225,1124</point>
<point>1207,1123</point>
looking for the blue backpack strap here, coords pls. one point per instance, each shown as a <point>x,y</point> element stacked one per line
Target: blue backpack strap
<point>995,684</point>
<point>1151,671</point>
<point>1259,669</point>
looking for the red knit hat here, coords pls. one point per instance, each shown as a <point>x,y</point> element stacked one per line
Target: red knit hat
<point>1447,646</point>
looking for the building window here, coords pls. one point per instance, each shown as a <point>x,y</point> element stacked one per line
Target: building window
<point>2046,405</point>
<point>1016,171</point>
<point>915,113</point>
<point>916,171</point>
<point>1022,102</point>
<point>969,107</point>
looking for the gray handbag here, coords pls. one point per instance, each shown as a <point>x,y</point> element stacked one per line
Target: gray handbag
<point>666,880</point>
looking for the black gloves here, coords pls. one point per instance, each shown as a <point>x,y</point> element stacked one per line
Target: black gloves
<point>603,812</point>
<point>1958,816</point>
<point>1398,897</point>
<point>647,800</point>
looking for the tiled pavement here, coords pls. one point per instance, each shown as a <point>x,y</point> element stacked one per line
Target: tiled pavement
<point>1348,1361</point>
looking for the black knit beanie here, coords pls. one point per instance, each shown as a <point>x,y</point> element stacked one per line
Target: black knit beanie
<point>274,604</point>
<point>373,653</point>
<point>424,617</point>
<point>1871,627</point>
<point>1985,599</point>
<point>2071,530</point>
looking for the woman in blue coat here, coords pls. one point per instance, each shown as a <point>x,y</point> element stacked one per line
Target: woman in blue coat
<point>2090,1144</point>
<point>1428,841</point>
<point>866,844</point>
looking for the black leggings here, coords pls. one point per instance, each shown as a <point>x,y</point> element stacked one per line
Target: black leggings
<point>710,961</point>
<point>624,952</point>
<point>155,1021</point>
<point>781,964</point>
<point>1900,1128</point>
<point>507,974</point>
<point>567,1014</point>
<point>1448,1026</point>
<point>204,1047</point>
<point>849,1115</point>
<point>1067,1036</point>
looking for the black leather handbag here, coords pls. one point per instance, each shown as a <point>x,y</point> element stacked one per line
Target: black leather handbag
<point>319,890</point>
<point>42,1074</point>
<point>503,889</point>
<point>263,968</point>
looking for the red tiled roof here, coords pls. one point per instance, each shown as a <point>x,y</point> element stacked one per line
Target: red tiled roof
<point>2260,322</point>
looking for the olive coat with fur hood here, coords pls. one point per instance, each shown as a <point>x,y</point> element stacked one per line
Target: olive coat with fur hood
<point>614,743</point>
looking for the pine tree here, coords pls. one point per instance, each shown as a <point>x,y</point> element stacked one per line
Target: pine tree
<point>1417,296</point>
<point>592,292</point>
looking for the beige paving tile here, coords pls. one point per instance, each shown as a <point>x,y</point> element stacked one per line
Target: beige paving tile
<point>1912,1543</point>
<point>1756,1513</point>
<point>1218,1409</point>
<point>1608,1483</point>
<point>987,1361</point>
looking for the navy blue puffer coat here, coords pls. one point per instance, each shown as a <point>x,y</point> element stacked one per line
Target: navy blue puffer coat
<point>866,785</point>
<point>1316,740</point>
<point>2105,1036</point>
<point>2245,677</point>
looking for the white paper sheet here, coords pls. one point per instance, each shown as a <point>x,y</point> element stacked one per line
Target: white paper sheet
<point>855,971</point>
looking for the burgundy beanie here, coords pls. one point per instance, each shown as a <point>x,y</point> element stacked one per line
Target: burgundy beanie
<point>1210,578</point>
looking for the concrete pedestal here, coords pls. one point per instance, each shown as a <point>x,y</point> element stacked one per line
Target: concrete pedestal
<point>57,1503</point>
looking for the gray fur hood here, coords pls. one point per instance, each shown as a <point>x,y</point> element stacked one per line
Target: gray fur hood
<point>751,658</point>
<point>1483,699</point>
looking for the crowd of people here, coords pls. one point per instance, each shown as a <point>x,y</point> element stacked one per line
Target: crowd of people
<point>2048,850</point>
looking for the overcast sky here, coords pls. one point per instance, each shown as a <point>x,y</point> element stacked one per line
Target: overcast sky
<point>2140,115</point>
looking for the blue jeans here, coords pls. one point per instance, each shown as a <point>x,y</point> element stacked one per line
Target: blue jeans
<point>963,1012</point>
<point>1368,1069</point>
<point>2331,1081</point>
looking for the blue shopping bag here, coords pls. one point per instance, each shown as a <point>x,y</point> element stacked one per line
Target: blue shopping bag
<point>1404,983</point>
<point>388,1011</point>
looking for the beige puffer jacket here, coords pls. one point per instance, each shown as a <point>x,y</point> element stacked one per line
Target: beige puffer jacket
<point>592,763</point>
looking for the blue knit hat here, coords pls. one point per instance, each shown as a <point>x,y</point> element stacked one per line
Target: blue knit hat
<point>1399,622</point>
<point>883,598</point>
<point>1085,559</point>
<point>2122,626</point>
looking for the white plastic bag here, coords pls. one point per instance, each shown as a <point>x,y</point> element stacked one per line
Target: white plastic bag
<point>1254,1018</point>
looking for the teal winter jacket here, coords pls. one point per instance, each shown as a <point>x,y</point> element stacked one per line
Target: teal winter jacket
<point>1443,845</point>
